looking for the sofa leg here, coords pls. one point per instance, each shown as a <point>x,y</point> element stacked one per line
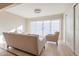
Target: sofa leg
<point>57,43</point>
<point>7,46</point>
<point>44,47</point>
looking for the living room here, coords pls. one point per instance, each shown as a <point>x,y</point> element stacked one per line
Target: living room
<point>40,29</point>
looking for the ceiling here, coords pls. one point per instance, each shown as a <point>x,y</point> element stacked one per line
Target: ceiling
<point>27,9</point>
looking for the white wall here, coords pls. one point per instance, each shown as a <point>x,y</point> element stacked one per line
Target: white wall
<point>69,28</point>
<point>27,26</point>
<point>77,29</point>
<point>9,21</point>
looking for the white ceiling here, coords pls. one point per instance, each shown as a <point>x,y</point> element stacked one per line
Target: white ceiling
<point>27,9</point>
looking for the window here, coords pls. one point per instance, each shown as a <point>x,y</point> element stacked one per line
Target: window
<point>18,30</point>
<point>1,39</point>
<point>36,27</point>
<point>55,26</point>
<point>45,27</point>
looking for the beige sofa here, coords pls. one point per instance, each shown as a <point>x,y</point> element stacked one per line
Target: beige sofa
<point>28,43</point>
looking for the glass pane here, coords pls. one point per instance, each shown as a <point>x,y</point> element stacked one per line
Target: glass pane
<point>37,27</point>
<point>46,28</point>
<point>54,26</point>
<point>19,29</point>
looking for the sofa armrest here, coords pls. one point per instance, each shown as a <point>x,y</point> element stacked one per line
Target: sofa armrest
<point>41,44</point>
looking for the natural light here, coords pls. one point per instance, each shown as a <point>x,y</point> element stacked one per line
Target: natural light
<point>19,29</point>
<point>45,27</point>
